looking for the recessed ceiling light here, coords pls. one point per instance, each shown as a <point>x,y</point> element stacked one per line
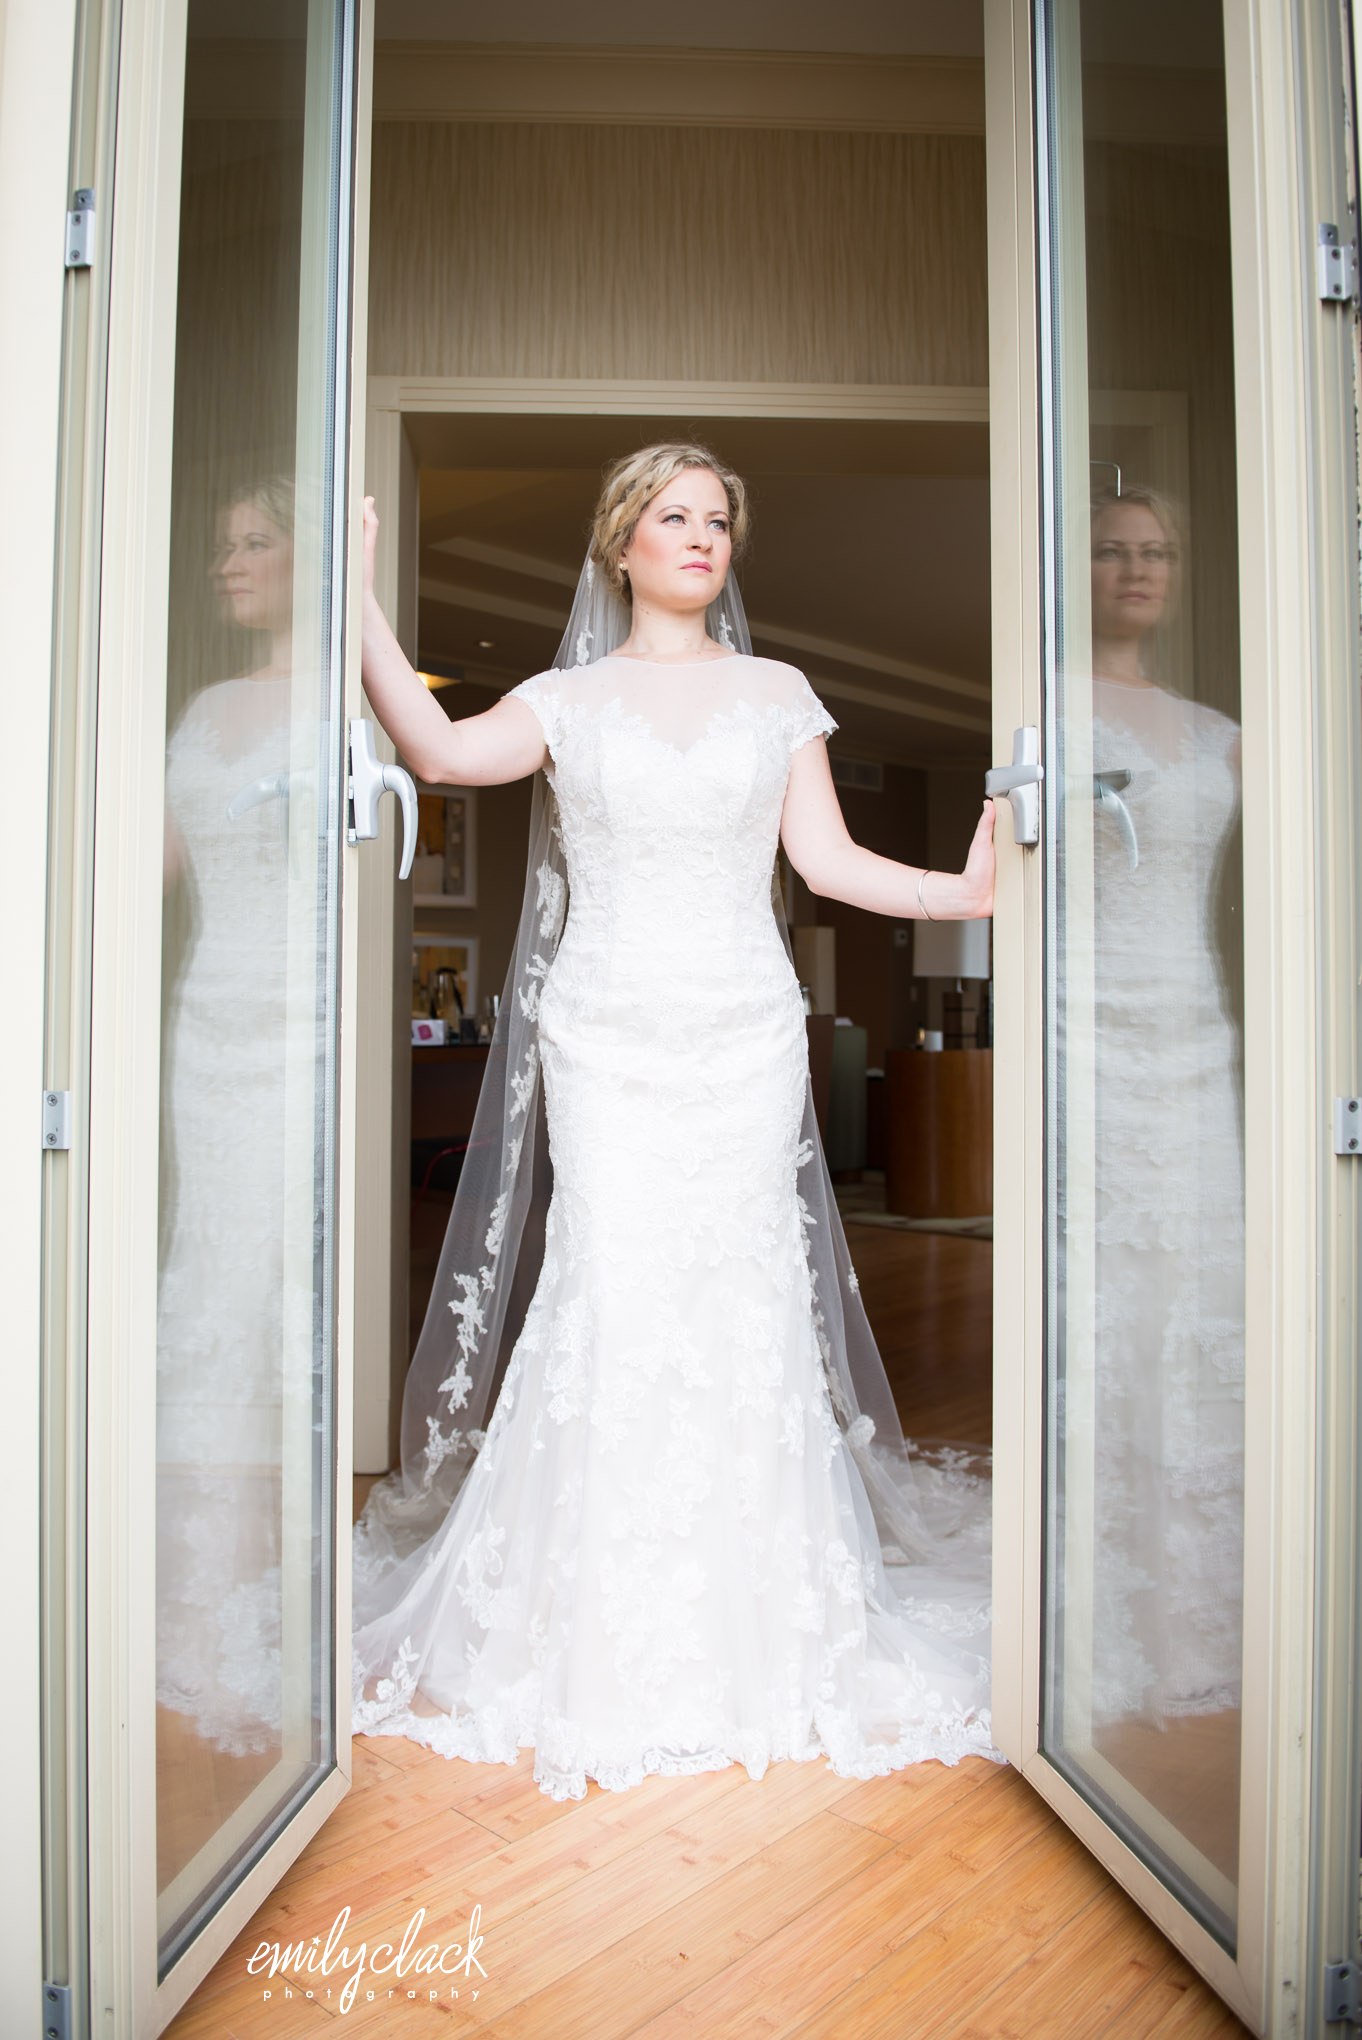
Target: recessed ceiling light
<point>487,644</point>
<point>434,680</point>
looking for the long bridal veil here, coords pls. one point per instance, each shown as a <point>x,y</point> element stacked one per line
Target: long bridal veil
<point>929,1506</point>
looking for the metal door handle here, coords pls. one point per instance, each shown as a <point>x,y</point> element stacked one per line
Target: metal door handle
<point>1107,789</point>
<point>274,786</point>
<point>1020,781</point>
<point>368,782</point>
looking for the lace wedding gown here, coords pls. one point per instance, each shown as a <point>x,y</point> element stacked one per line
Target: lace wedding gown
<point>1169,1289</point>
<point>663,1557</point>
<point>220,1317</point>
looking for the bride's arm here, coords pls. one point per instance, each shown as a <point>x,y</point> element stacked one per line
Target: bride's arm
<point>830,864</point>
<point>504,742</point>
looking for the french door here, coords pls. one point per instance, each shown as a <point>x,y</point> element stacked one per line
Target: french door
<point>1174,625</point>
<point>221,1051</point>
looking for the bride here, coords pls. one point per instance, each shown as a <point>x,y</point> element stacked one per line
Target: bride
<point>691,1532</point>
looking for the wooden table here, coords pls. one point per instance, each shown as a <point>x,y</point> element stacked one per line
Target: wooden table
<point>939,1148</point>
<point>445,1083</point>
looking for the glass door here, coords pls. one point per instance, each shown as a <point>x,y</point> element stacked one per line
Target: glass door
<point>1144,1388</point>
<point>220,1488</point>
<point>1174,603</point>
<point>246,1316</point>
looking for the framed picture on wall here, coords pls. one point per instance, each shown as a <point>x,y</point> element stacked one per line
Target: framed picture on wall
<point>432,954</point>
<point>445,873</point>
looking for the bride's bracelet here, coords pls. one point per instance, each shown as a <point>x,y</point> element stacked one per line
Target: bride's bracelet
<point>921,902</point>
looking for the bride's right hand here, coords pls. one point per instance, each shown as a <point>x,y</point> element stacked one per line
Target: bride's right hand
<point>370,544</point>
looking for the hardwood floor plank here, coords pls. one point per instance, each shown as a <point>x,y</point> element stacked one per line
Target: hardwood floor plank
<point>1176,2006</point>
<point>999,1816</point>
<point>929,1299</point>
<point>501,1797</point>
<point>397,2018</point>
<point>382,1889</point>
<point>375,1883</point>
<point>279,2017</point>
<point>384,1812</point>
<point>605,1825</point>
<point>252,2017</point>
<point>1006,1913</point>
<point>1209,2020</point>
<point>906,1800</point>
<point>533,1942</point>
<point>831,1945</point>
<point>648,1967</point>
<point>1090,1970</point>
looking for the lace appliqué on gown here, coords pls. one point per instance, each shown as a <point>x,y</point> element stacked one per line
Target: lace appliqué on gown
<point>1168,1219</point>
<point>221,1391</point>
<point>662,1557</point>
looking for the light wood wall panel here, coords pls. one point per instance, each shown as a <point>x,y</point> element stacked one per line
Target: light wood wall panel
<point>689,253</point>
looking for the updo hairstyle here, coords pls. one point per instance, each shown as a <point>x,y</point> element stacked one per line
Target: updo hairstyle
<point>631,484</point>
<point>1140,496</point>
<point>274,494</point>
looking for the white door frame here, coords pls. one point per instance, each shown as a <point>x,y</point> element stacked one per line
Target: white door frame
<point>37,51</point>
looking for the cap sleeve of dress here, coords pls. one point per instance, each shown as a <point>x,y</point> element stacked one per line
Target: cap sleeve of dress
<point>541,694</point>
<point>806,716</point>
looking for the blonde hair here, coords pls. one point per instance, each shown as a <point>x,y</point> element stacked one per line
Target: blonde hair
<point>1138,495</point>
<point>274,494</point>
<point>630,486</point>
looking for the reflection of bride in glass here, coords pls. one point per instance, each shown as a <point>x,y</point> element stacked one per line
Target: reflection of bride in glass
<point>220,1332</point>
<point>671,1547</point>
<point>1169,1277</point>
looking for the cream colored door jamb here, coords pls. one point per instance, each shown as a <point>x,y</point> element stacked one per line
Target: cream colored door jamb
<point>37,46</point>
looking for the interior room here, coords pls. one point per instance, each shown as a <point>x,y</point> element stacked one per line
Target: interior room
<point>804,291</point>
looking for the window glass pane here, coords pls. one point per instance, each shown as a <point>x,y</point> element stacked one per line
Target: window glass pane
<point>245,1351</point>
<point>1144,976</point>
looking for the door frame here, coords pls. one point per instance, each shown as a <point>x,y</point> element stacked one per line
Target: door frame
<point>1297,617</point>
<point>381,1240</point>
<point>37,72</point>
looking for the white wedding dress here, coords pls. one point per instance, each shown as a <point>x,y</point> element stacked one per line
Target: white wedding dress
<point>663,1558</point>
<point>221,1305</point>
<point>1169,1213</point>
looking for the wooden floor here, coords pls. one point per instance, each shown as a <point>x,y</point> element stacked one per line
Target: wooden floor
<point>929,1298</point>
<point>935,1904</point>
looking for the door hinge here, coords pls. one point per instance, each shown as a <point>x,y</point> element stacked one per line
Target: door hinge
<point>1335,265</point>
<point>80,230</point>
<point>56,1119</point>
<point>1343,1994</point>
<point>1348,1126</point>
<point>56,2011</point>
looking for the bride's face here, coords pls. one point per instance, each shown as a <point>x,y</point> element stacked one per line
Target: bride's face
<point>253,569</point>
<point>1133,565</point>
<point>679,553</point>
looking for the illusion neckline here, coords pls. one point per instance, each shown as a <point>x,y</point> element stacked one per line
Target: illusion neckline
<point>672,665</point>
